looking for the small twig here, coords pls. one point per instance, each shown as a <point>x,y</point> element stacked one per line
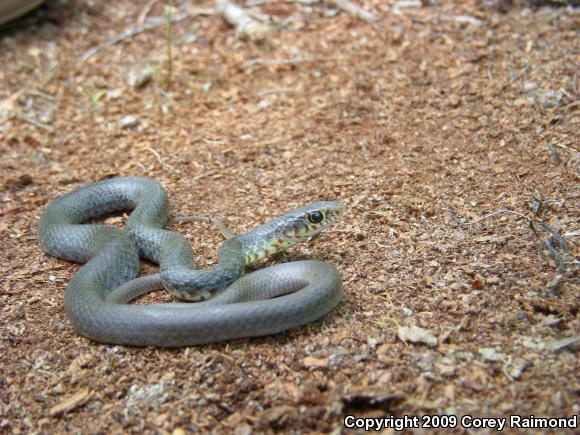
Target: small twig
<point>554,245</point>
<point>553,253</point>
<point>16,208</point>
<point>7,105</point>
<point>487,216</point>
<point>555,283</point>
<point>169,43</point>
<point>190,218</point>
<point>252,3</point>
<point>143,15</point>
<point>272,91</point>
<point>406,4</point>
<point>129,33</point>
<point>354,10</point>
<point>558,345</point>
<point>40,94</point>
<point>224,230</point>
<point>392,318</point>
<point>289,61</point>
<point>244,23</point>
<point>555,240</point>
<point>33,121</point>
<point>538,201</point>
<point>555,236</point>
<point>158,157</point>
<point>156,154</point>
<point>462,19</point>
<point>49,76</point>
<point>207,173</point>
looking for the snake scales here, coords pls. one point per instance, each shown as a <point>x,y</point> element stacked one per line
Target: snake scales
<point>265,302</point>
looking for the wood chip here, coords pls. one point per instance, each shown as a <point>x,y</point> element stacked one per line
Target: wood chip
<point>71,403</point>
<point>416,334</point>
<point>312,362</point>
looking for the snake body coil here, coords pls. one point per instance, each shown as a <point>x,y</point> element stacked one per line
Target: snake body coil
<point>298,292</point>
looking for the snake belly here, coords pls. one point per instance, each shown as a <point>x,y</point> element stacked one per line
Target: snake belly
<point>265,302</point>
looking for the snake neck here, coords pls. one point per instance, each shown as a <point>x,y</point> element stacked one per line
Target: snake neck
<point>268,239</point>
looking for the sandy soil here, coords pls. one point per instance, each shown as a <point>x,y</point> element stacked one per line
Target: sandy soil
<point>451,132</point>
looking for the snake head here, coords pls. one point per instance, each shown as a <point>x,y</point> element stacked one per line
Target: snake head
<point>294,227</point>
<point>306,222</point>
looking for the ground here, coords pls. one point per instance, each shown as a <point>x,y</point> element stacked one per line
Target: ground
<point>449,131</point>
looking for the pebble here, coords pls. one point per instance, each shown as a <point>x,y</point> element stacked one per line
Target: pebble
<point>128,121</point>
<point>139,78</point>
<point>491,355</point>
<point>372,342</point>
<point>516,368</point>
<point>550,98</point>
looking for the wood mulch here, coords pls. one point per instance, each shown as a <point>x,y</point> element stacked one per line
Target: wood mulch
<point>450,132</point>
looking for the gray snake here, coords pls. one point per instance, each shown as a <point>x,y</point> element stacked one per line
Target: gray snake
<point>264,302</point>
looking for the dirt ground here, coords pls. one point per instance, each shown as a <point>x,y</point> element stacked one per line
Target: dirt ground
<point>450,132</point>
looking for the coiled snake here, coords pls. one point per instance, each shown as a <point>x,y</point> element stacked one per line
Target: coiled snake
<point>265,302</point>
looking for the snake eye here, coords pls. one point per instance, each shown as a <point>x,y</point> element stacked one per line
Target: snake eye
<point>315,217</point>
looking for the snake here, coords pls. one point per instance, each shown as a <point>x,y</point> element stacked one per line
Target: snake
<point>230,304</point>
